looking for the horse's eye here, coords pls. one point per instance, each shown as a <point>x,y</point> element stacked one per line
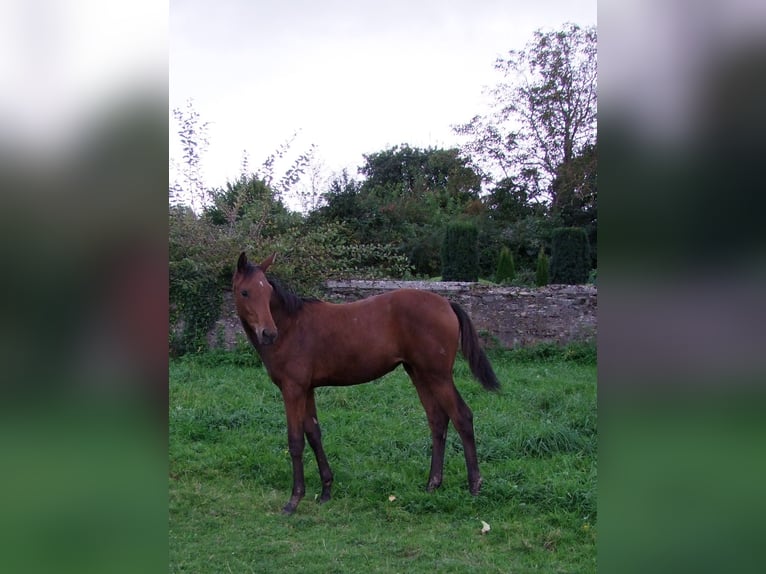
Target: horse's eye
<point>244,292</point>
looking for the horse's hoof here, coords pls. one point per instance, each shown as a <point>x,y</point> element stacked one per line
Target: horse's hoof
<point>289,508</point>
<point>433,485</point>
<point>475,487</point>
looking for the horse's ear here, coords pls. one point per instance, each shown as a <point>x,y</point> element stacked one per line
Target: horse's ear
<point>267,262</point>
<point>242,262</point>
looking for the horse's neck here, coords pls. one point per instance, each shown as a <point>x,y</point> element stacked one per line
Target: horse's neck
<point>284,321</point>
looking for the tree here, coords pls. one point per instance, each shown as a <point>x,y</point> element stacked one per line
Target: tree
<point>576,195</point>
<point>193,135</point>
<point>544,112</point>
<point>406,198</point>
<point>248,202</point>
<point>508,202</point>
<point>341,201</point>
<point>406,171</point>
<point>284,186</point>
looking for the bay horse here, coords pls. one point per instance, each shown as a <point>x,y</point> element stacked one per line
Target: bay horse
<point>308,343</point>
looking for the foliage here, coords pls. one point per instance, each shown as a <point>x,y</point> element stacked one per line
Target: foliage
<point>543,114</point>
<point>308,256</point>
<point>576,193</point>
<point>196,266</point>
<point>460,254</point>
<point>192,133</point>
<point>202,256</point>
<point>283,185</point>
<point>509,201</point>
<point>248,199</point>
<point>396,221</point>
<point>570,259</point>
<point>537,447</point>
<point>207,234</point>
<point>524,278</point>
<point>541,271</point>
<point>406,198</point>
<point>403,170</point>
<point>506,269</point>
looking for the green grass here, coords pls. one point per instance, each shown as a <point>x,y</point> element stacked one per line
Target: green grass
<point>230,474</point>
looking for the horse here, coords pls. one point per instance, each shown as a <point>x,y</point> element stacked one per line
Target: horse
<point>305,343</point>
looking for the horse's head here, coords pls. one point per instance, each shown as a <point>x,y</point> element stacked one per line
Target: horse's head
<point>252,294</point>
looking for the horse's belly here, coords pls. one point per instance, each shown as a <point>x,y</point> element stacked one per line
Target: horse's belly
<point>356,368</point>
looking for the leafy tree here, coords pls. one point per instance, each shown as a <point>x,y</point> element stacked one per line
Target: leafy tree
<point>249,202</point>
<point>285,184</point>
<point>193,135</point>
<point>342,201</point>
<point>544,112</point>
<point>403,170</point>
<point>406,198</point>
<point>576,194</point>
<point>508,201</point>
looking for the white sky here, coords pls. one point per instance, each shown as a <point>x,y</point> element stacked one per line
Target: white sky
<point>354,76</point>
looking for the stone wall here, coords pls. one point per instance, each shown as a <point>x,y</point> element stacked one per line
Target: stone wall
<point>506,316</point>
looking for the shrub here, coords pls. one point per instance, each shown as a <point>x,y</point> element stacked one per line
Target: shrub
<point>460,252</point>
<point>570,256</point>
<point>524,278</point>
<point>195,297</point>
<point>541,273</point>
<point>506,269</point>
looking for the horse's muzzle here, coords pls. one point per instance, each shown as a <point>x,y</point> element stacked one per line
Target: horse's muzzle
<point>268,337</point>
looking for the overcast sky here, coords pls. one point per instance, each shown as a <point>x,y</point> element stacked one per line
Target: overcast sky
<point>352,76</point>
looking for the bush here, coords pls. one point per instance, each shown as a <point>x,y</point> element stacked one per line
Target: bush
<point>460,252</point>
<point>202,256</point>
<point>524,278</point>
<point>570,256</point>
<point>197,264</point>
<point>506,269</point>
<point>541,274</point>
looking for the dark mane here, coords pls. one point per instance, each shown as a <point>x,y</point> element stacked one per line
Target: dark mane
<point>291,302</point>
<point>249,269</point>
<point>287,298</point>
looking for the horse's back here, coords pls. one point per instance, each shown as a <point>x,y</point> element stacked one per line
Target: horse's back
<point>425,326</point>
<point>369,337</point>
<point>411,310</point>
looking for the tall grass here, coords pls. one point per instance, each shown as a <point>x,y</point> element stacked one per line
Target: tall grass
<point>230,473</point>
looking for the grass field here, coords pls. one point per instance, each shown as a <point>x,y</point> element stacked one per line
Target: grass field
<point>230,473</point>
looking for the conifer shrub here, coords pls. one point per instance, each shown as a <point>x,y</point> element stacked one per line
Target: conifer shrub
<point>460,252</point>
<point>570,256</point>
<point>541,272</point>
<point>506,267</point>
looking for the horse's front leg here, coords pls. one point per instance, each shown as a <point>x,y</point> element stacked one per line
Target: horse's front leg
<point>295,409</point>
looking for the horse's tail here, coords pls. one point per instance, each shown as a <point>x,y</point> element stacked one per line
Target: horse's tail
<point>472,351</point>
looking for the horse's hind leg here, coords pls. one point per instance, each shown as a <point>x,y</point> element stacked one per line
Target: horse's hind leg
<point>437,421</point>
<point>462,419</point>
<point>314,436</point>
